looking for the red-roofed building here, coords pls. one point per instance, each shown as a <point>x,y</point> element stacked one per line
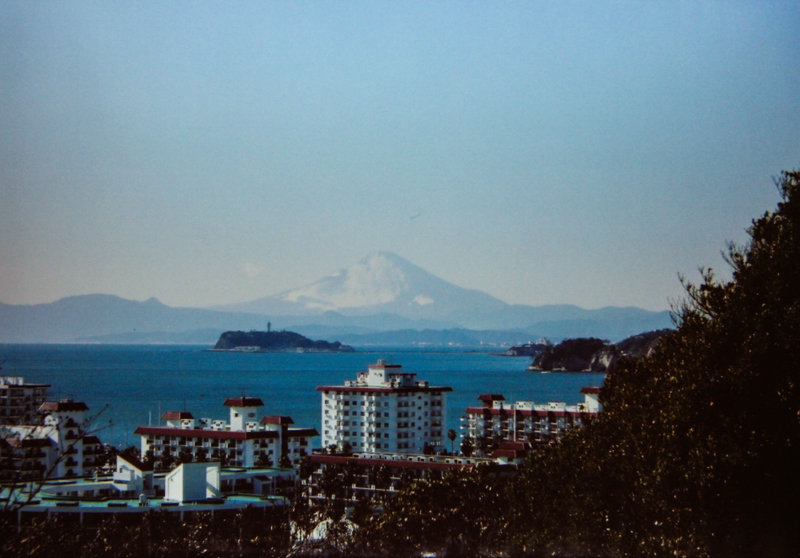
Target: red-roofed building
<point>488,399</point>
<point>60,447</point>
<point>526,421</point>
<point>243,442</point>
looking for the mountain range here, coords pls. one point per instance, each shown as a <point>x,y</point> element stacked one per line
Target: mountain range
<point>380,300</point>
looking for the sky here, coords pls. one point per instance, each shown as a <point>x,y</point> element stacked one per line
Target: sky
<point>543,152</point>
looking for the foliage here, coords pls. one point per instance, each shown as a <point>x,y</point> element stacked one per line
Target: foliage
<point>467,446</point>
<point>695,453</point>
<point>455,516</point>
<point>570,354</point>
<point>249,532</point>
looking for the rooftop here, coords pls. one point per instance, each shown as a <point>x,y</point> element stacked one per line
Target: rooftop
<point>243,402</point>
<point>64,405</point>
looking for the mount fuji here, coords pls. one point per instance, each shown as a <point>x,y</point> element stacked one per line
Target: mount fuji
<point>384,285</point>
<point>381,283</point>
<point>381,300</point>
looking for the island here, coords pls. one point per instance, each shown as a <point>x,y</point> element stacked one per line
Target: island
<point>276,341</point>
<point>594,355</point>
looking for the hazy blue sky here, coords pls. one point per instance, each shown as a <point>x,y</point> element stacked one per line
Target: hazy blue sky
<point>214,152</point>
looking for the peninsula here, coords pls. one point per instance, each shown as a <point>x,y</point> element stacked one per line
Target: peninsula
<point>276,341</point>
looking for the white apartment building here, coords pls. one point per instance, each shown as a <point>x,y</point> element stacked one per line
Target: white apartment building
<point>384,410</point>
<point>526,421</point>
<point>245,441</point>
<point>20,401</point>
<point>58,448</point>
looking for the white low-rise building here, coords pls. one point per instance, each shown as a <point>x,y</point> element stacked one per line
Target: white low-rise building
<point>244,441</point>
<point>384,410</point>
<point>59,447</point>
<point>20,400</point>
<point>526,421</point>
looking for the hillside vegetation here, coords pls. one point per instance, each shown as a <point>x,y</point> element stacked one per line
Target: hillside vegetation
<point>596,355</point>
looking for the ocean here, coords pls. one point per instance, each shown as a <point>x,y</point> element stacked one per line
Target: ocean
<point>127,386</point>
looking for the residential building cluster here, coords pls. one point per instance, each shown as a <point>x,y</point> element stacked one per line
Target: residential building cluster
<point>43,439</point>
<point>380,431</point>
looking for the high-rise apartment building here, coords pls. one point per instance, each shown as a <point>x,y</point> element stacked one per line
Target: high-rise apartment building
<point>384,410</point>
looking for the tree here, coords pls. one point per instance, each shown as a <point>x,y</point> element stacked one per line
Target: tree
<point>149,458</point>
<point>458,515</point>
<point>483,444</point>
<point>452,435</point>
<point>467,446</point>
<point>167,459</point>
<point>20,459</point>
<point>352,471</point>
<point>695,452</point>
<point>130,452</point>
<point>224,460</point>
<point>264,460</point>
<point>185,456</point>
<point>306,468</point>
<point>330,482</point>
<point>201,455</point>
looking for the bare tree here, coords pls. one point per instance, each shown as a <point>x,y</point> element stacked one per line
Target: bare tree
<point>21,454</point>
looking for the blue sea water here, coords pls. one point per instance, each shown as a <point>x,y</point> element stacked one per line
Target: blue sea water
<point>133,385</point>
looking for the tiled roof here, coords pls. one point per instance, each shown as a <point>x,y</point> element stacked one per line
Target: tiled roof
<point>277,419</point>
<point>62,406</point>
<point>136,462</point>
<point>302,432</point>
<point>177,415</point>
<point>243,402</point>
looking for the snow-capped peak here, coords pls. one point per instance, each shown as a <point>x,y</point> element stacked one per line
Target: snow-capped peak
<point>379,278</point>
